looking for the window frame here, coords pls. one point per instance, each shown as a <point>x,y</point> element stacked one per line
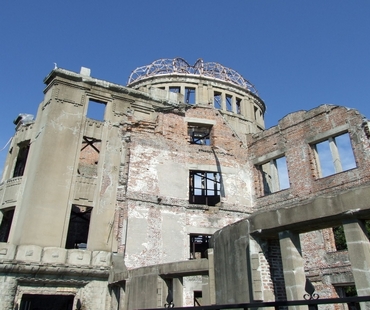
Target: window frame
<point>205,187</point>
<point>337,158</point>
<point>195,131</point>
<point>271,168</point>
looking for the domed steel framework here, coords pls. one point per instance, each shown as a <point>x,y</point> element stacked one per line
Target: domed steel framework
<point>180,66</point>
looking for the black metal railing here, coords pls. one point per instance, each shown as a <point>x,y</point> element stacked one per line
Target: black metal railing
<point>312,304</point>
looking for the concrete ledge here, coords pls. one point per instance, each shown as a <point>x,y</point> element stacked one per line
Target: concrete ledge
<point>79,257</point>
<point>7,251</point>
<point>101,258</point>
<point>323,211</point>
<point>184,268</point>
<point>29,253</point>
<point>53,255</point>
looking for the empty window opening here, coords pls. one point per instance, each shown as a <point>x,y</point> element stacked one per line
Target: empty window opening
<point>20,164</point>
<point>169,298</point>
<point>199,134</point>
<point>89,157</point>
<point>46,302</point>
<point>238,104</point>
<point>340,238</point>
<point>198,299</point>
<point>348,291</point>
<point>217,100</point>
<point>6,224</point>
<point>190,95</point>
<point>174,89</point>
<point>96,110</point>
<point>275,175</point>
<point>257,113</point>
<point>334,155</point>
<point>229,103</point>
<point>78,229</point>
<point>199,245</point>
<point>204,187</point>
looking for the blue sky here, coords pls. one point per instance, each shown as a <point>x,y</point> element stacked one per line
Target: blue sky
<point>298,54</point>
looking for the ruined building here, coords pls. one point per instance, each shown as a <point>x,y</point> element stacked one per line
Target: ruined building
<point>170,191</point>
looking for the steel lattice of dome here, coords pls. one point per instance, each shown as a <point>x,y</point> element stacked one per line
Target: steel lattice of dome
<point>180,66</point>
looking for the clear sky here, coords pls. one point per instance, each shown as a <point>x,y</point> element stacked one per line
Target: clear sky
<point>298,54</point>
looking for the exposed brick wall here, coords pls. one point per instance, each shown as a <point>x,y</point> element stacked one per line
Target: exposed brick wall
<point>291,137</point>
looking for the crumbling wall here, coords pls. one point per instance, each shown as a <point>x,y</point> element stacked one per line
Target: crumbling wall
<point>294,138</point>
<point>158,216</point>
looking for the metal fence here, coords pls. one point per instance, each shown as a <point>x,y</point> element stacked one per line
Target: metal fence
<point>312,304</point>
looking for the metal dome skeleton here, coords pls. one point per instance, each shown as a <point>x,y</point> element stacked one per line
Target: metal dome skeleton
<point>167,66</point>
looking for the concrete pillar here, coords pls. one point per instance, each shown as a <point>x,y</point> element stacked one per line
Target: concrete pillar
<point>359,254</point>
<point>335,155</point>
<point>211,95</point>
<point>293,267</point>
<point>201,94</point>
<point>177,291</point>
<point>275,186</point>
<point>211,299</point>
<point>223,101</point>
<point>233,104</point>
<point>182,91</point>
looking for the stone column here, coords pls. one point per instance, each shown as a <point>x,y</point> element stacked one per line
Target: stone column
<point>208,288</point>
<point>223,101</point>
<point>177,289</point>
<point>293,267</point>
<point>359,254</point>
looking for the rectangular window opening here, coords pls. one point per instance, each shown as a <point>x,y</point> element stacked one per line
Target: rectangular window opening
<point>6,224</point>
<point>78,229</point>
<point>174,89</point>
<point>229,103</point>
<point>20,164</point>
<point>38,301</point>
<point>217,100</point>
<point>199,134</point>
<point>199,245</point>
<point>204,188</point>
<point>274,175</point>
<point>256,113</point>
<point>238,104</point>
<point>96,110</point>
<point>89,157</point>
<point>334,155</point>
<point>190,95</point>
<point>340,238</point>
<point>198,299</point>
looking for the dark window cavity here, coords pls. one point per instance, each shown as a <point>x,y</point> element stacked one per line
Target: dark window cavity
<point>204,187</point>
<point>6,224</point>
<point>199,134</point>
<point>238,106</point>
<point>20,164</point>
<point>199,245</point>
<point>78,229</point>
<point>53,302</point>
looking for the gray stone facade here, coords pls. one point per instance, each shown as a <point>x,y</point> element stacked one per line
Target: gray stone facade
<point>169,188</point>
